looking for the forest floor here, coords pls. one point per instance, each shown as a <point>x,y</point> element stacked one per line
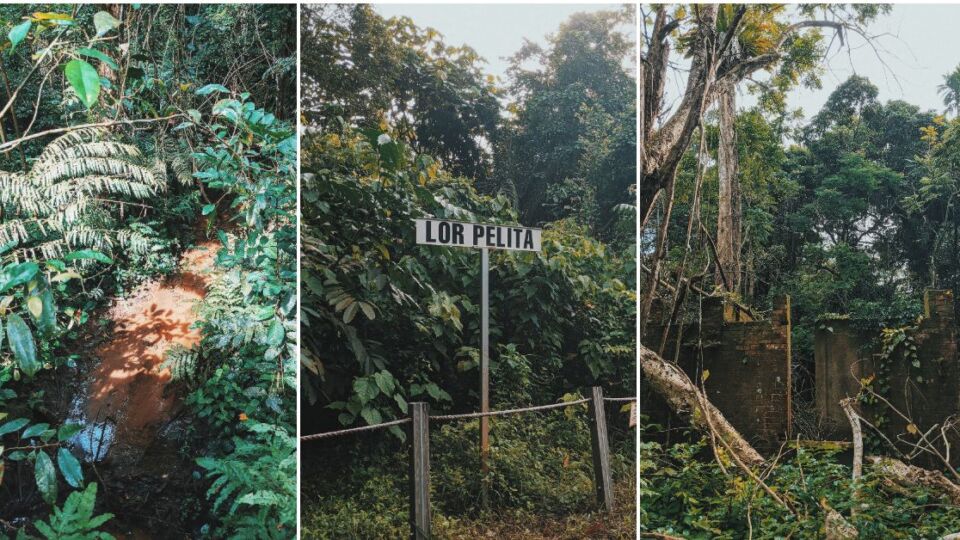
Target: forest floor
<point>521,525</point>
<point>128,385</point>
<point>132,423</point>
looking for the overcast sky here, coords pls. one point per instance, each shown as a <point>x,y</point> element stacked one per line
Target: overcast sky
<point>923,44</point>
<point>495,31</point>
<point>920,44</point>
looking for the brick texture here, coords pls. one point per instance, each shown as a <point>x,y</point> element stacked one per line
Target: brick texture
<point>749,369</point>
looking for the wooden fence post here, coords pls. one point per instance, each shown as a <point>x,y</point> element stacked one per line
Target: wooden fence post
<point>420,472</point>
<point>601,450</point>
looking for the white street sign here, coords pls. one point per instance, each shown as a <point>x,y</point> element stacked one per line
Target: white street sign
<point>443,232</point>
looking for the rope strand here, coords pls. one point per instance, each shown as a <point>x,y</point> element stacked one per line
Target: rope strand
<point>463,416</point>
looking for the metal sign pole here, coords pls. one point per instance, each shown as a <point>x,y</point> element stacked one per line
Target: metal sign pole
<point>450,233</point>
<point>484,372</point>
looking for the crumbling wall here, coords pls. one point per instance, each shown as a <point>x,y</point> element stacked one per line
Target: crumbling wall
<point>926,388</point>
<point>744,363</point>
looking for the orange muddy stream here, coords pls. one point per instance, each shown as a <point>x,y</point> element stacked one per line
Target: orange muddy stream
<point>126,389</point>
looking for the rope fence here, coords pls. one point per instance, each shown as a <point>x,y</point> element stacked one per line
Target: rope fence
<point>462,416</point>
<point>419,475</point>
<point>372,427</point>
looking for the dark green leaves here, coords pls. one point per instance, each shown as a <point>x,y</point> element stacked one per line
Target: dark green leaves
<point>22,344</point>
<point>46,476</point>
<point>88,254</point>
<point>17,274</point>
<point>70,468</point>
<point>18,33</point>
<point>13,425</point>
<point>34,430</point>
<point>68,430</point>
<point>84,80</point>
<point>93,53</point>
<point>211,88</point>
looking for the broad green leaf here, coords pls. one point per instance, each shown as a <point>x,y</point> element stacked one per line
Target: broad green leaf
<point>384,381</point>
<point>365,389</point>
<point>265,313</point>
<point>372,416</point>
<point>70,468</point>
<point>93,53</point>
<point>46,476</point>
<point>211,88</point>
<point>85,81</point>
<point>13,425</point>
<point>68,430</point>
<point>17,274</point>
<point>88,254</point>
<point>104,22</point>
<point>48,315</point>
<point>402,403</point>
<point>276,334</point>
<point>207,209</point>
<point>34,430</point>
<point>22,344</point>
<point>18,33</point>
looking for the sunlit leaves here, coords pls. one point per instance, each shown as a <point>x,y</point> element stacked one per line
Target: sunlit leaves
<point>18,33</point>
<point>104,22</point>
<point>46,477</point>
<point>85,81</point>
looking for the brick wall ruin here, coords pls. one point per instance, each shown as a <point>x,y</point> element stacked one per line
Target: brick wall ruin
<point>748,363</point>
<point>929,393</point>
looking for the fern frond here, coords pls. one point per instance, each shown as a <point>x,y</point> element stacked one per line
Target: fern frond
<point>67,198</point>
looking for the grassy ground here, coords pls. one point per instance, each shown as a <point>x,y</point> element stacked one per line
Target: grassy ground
<point>517,524</point>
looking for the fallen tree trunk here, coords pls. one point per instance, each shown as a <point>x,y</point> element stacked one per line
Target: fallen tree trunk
<point>684,398</point>
<point>835,526</point>
<point>903,476</point>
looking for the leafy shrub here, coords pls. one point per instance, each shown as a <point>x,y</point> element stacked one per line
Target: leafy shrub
<point>241,377</point>
<point>376,303</point>
<point>684,493</point>
<point>257,480</point>
<point>76,520</point>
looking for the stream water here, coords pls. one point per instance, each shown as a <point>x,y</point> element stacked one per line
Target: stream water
<point>132,430</point>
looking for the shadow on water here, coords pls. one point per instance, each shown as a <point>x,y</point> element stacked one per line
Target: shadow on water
<point>133,429</point>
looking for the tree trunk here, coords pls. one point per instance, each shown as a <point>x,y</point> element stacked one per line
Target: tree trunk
<point>684,398</point>
<point>900,476</point>
<point>729,216</point>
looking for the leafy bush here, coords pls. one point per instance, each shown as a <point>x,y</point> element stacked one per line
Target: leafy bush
<point>378,305</point>
<point>76,520</point>
<point>242,375</point>
<point>684,493</point>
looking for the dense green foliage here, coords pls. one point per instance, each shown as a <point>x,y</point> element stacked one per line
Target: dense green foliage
<point>87,213</point>
<point>684,493</point>
<point>850,212</point>
<point>565,145</point>
<point>386,322</point>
